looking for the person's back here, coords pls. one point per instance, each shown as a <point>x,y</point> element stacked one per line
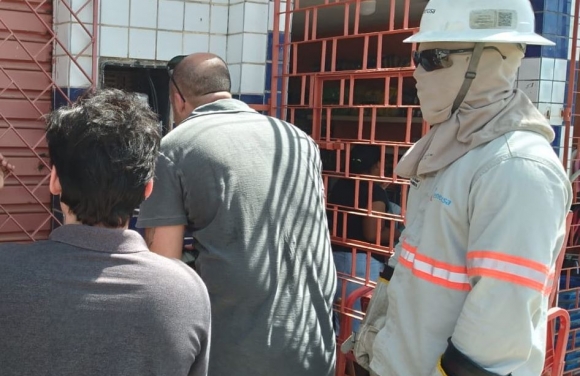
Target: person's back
<point>254,200</point>
<point>75,306</point>
<point>93,300</point>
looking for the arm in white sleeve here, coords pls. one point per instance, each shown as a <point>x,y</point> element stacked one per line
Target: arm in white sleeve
<point>517,214</point>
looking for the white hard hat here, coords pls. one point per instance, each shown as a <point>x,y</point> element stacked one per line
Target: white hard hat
<point>483,21</point>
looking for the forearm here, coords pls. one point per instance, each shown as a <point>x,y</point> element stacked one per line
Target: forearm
<point>166,241</point>
<point>497,327</point>
<point>386,236</point>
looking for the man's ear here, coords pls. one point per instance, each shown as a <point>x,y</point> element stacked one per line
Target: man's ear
<point>148,189</point>
<point>54,184</point>
<point>176,101</point>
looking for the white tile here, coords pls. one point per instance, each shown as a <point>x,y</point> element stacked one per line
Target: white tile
<point>558,92</point>
<point>236,19</point>
<point>545,91</point>
<point>547,69</point>
<point>170,15</point>
<point>225,2</point>
<point>142,44</point>
<point>219,19</point>
<point>195,43</point>
<point>282,17</point>
<point>196,17</point>
<point>530,88</point>
<point>114,12</point>
<point>235,75</point>
<point>169,44</point>
<point>282,24</point>
<point>544,108</point>
<point>271,16</point>
<point>63,33</point>
<point>114,41</point>
<point>255,46</point>
<point>560,70</point>
<point>256,17</point>
<point>234,50</point>
<point>556,114</point>
<point>61,13</point>
<point>62,71</point>
<point>78,79</point>
<point>144,13</point>
<point>253,78</point>
<point>218,45</point>
<point>84,15</point>
<point>530,69</point>
<point>80,40</point>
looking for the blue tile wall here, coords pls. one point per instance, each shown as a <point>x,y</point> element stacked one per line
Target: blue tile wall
<point>271,46</point>
<point>252,98</point>
<point>59,97</point>
<point>557,138</point>
<point>558,6</point>
<point>269,66</point>
<point>553,22</point>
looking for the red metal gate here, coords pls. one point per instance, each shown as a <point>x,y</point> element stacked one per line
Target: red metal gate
<point>27,91</point>
<point>346,79</point>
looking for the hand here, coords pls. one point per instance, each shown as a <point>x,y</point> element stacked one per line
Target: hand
<point>5,168</point>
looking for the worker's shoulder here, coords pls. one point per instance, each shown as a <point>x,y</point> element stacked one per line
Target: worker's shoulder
<point>518,154</point>
<point>514,146</point>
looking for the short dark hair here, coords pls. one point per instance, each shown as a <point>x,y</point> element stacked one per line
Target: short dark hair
<point>364,157</point>
<point>104,148</point>
<point>196,81</point>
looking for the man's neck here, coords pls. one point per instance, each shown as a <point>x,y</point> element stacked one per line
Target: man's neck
<point>71,219</point>
<point>210,98</point>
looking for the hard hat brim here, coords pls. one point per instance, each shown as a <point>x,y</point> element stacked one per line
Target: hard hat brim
<point>479,36</point>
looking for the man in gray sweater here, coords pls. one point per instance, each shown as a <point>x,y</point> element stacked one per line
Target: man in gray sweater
<point>93,300</point>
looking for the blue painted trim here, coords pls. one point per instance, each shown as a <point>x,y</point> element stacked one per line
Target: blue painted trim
<point>252,98</point>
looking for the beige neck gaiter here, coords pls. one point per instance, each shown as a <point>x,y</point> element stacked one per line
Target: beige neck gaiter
<point>491,108</point>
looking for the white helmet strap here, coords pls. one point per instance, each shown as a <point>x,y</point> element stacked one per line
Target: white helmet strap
<point>469,75</point>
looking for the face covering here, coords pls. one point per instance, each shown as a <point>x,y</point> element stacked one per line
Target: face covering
<point>491,108</point>
<point>437,89</point>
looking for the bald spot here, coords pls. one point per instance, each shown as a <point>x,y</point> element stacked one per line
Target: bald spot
<point>202,73</point>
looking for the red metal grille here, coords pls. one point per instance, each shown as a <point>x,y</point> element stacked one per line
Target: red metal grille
<point>346,79</point>
<point>27,88</point>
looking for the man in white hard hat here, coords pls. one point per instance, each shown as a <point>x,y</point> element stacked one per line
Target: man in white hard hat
<point>466,292</point>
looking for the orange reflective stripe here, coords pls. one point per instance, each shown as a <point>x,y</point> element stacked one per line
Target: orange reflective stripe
<point>482,272</point>
<point>512,269</point>
<point>449,276</point>
<point>509,258</point>
<point>409,247</point>
<point>431,261</point>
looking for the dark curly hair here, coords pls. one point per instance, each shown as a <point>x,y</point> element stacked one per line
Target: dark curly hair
<point>104,149</point>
